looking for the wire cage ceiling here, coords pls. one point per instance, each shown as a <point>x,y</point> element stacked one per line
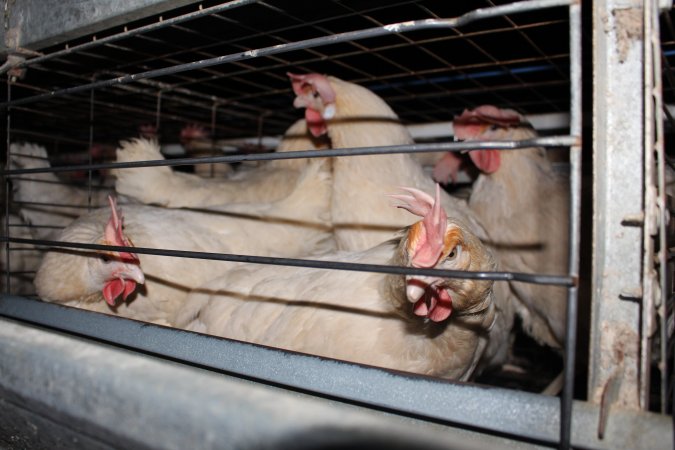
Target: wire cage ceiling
<point>427,75</point>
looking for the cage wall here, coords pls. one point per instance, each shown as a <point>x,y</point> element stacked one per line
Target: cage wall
<point>209,82</point>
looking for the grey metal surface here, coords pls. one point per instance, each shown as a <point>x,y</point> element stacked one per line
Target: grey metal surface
<point>111,398</point>
<point>35,24</point>
<point>160,7</point>
<point>574,228</point>
<point>617,199</point>
<point>117,394</point>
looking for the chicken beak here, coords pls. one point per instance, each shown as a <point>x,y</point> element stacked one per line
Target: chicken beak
<point>131,272</point>
<point>416,286</point>
<point>414,289</point>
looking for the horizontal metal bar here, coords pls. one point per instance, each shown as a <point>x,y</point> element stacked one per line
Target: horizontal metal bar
<point>54,204</point>
<point>401,27</point>
<point>516,414</point>
<point>552,141</point>
<point>130,33</point>
<point>110,397</point>
<point>334,265</point>
<point>35,24</point>
<point>443,399</point>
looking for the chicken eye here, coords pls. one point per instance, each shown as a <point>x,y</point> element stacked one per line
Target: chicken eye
<point>454,252</point>
<point>494,127</point>
<point>106,259</point>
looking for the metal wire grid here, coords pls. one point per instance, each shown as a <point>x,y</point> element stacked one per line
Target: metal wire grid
<point>423,75</point>
<point>84,94</point>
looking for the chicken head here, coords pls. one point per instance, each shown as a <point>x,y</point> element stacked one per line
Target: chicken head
<point>314,93</point>
<point>481,123</point>
<point>119,272</point>
<point>438,242</point>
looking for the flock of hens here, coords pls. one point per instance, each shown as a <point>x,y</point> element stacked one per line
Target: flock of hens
<point>377,209</point>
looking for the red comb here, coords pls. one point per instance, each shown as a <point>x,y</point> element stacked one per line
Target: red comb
<point>113,231</point>
<point>434,223</point>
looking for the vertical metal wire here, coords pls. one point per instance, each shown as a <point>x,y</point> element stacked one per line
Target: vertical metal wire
<point>647,319</point>
<point>214,110</point>
<point>575,225</point>
<point>7,258</point>
<point>662,203</point>
<point>158,113</point>
<point>89,150</point>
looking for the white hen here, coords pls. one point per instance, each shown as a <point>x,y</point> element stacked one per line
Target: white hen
<point>524,204</point>
<point>435,326</point>
<point>354,116</point>
<point>65,275</point>
<point>46,202</point>
<point>163,186</point>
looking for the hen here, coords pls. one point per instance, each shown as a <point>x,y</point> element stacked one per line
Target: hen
<point>163,186</point>
<point>46,202</point>
<point>524,204</point>
<point>65,274</point>
<point>426,325</point>
<point>90,276</point>
<point>353,116</point>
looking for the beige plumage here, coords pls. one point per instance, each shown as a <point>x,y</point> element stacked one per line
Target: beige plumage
<point>524,204</point>
<point>258,229</point>
<point>46,202</point>
<point>359,316</point>
<point>353,116</point>
<point>160,185</point>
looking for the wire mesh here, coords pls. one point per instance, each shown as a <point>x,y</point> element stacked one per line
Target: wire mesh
<point>88,94</point>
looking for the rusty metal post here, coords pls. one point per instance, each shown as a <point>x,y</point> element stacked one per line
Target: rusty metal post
<point>618,210</point>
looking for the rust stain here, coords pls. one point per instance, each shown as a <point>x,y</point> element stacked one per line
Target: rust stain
<point>628,27</point>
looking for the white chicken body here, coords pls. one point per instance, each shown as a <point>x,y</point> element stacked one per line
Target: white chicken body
<point>258,230</point>
<point>160,185</point>
<point>525,205</point>
<point>41,194</point>
<point>356,316</point>
<point>362,119</point>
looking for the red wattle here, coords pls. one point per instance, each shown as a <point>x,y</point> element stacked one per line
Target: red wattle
<point>442,307</point>
<point>436,305</point>
<point>315,123</point>
<point>129,287</point>
<point>112,289</point>
<point>487,161</point>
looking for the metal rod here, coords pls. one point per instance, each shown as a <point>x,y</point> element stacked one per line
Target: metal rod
<point>647,323</point>
<point>422,396</point>
<point>6,184</point>
<point>560,280</point>
<point>566,400</point>
<point>137,31</point>
<point>91,143</point>
<point>553,141</point>
<point>401,27</point>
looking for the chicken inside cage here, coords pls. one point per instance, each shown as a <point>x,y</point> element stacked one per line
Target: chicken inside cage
<point>398,185</point>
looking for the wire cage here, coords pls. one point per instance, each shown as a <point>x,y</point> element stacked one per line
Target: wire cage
<point>81,84</point>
